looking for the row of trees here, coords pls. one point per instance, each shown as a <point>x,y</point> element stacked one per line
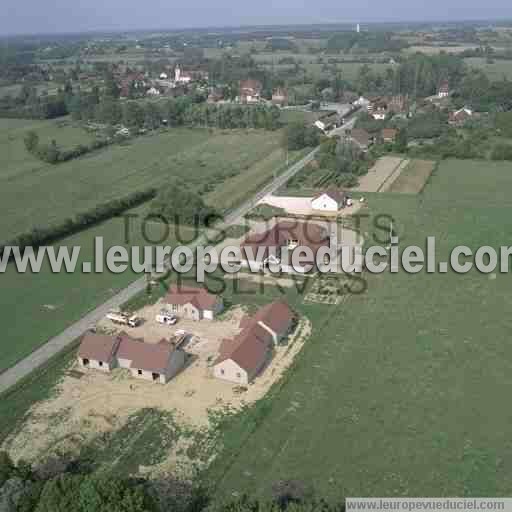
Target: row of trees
<point>44,235</point>
<point>182,111</point>
<point>64,486</point>
<point>53,154</point>
<point>299,135</point>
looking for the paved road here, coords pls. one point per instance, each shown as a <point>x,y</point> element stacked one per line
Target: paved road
<point>54,345</point>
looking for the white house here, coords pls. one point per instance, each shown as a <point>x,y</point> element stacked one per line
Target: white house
<point>329,201</point>
<point>362,102</point>
<point>444,89</point>
<point>164,76</point>
<point>180,77</point>
<point>153,92</point>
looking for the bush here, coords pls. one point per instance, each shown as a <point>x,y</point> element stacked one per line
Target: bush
<point>502,152</point>
<point>178,204</point>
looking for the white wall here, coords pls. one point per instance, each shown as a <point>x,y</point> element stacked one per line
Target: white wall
<point>230,371</point>
<point>324,203</point>
<point>95,365</point>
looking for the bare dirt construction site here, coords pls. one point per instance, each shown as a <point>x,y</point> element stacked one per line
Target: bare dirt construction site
<point>90,404</point>
<point>382,175</point>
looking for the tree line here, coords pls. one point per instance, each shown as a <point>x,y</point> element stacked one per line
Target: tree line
<point>45,235</point>
<point>62,485</point>
<point>52,153</point>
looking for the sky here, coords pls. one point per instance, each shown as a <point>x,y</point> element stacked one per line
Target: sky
<point>58,16</point>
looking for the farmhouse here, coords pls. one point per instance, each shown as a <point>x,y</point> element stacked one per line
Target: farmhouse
<point>158,362</point>
<point>98,351</point>
<point>276,318</point>
<point>331,200</point>
<point>276,246</point>
<point>154,362</point>
<point>459,117</point>
<point>378,108</point>
<point>250,91</point>
<point>193,303</point>
<point>181,77</point>
<point>444,89</point>
<point>388,135</point>
<point>242,358</point>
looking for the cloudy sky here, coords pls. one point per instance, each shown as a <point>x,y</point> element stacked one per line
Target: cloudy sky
<point>41,16</point>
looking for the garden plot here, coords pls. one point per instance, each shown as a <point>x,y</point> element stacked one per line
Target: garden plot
<point>385,171</point>
<point>413,178</point>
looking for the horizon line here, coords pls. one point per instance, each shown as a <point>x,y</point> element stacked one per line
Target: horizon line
<point>263,26</point>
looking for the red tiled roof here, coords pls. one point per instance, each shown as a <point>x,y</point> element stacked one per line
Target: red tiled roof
<point>144,356</point>
<point>251,84</point>
<point>307,234</point>
<point>98,347</point>
<point>248,350</point>
<point>389,133</point>
<point>198,297</point>
<point>276,316</point>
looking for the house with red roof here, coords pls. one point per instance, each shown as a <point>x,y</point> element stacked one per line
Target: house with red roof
<point>250,91</point>
<point>193,303</point>
<point>155,362</point>
<point>242,358</point>
<point>276,246</point>
<point>459,117</point>
<point>444,89</point>
<point>331,200</point>
<point>98,351</point>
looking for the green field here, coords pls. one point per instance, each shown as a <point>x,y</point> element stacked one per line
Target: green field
<point>348,70</point>
<point>36,306</point>
<point>35,193</point>
<point>401,390</point>
<point>495,71</point>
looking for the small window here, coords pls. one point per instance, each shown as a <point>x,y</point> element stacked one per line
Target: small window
<point>85,362</point>
<point>139,372</point>
<point>239,375</point>
<point>222,371</point>
<point>101,363</point>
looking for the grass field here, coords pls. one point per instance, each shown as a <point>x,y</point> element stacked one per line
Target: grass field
<point>401,390</point>
<point>495,71</point>
<point>239,188</point>
<point>36,306</point>
<point>32,192</point>
<point>348,70</point>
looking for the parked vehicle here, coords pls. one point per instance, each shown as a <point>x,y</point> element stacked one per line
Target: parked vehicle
<point>164,317</point>
<point>123,319</point>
